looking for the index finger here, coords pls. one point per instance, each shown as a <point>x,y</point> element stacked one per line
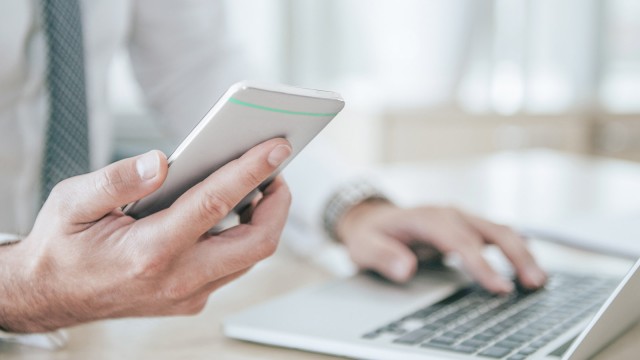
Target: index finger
<point>515,249</point>
<point>241,246</point>
<point>207,203</point>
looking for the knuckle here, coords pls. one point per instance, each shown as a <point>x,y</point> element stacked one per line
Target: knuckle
<point>177,292</point>
<point>149,266</point>
<point>192,307</point>
<point>60,188</point>
<point>464,241</point>
<point>59,196</point>
<point>504,230</point>
<point>454,212</point>
<point>215,205</point>
<point>268,245</point>
<point>505,236</point>
<point>63,200</point>
<point>519,251</point>
<point>379,253</point>
<point>252,179</point>
<point>287,195</point>
<point>223,268</point>
<point>109,183</point>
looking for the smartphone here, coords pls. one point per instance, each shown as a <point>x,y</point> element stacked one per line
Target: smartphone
<point>247,114</point>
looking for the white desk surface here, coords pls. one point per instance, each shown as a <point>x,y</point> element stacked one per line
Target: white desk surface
<point>506,186</point>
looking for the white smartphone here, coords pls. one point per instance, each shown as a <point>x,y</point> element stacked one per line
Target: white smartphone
<point>246,115</point>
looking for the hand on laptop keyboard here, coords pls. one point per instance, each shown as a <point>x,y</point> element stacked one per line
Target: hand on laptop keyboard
<point>379,236</point>
<point>522,289</point>
<point>472,321</point>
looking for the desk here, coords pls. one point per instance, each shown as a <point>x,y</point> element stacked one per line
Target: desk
<point>604,185</point>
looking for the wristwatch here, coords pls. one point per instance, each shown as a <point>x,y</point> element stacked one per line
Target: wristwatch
<point>345,198</point>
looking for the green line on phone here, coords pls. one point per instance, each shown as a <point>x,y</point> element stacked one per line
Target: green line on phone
<point>283,111</point>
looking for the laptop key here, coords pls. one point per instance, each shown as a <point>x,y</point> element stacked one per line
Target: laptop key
<point>516,338</point>
<point>466,327</point>
<point>517,357</point>
<point>421,314</point>
<point>456,348</point>
<point>508,344</point>
<point>454,334</point>
<point>474,343</point>
<point>371,335</point>
<point>482,337</point>
<point>527,351</point>
<point>538,344</point>
<point>414,337</point>
<point>432,327</point>
<point>496,352</point>
<point>464,349</point>
<point>394,329</point>
<point>443,340</point>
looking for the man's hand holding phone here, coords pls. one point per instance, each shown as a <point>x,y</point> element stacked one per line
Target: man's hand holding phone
<point>85,260</point>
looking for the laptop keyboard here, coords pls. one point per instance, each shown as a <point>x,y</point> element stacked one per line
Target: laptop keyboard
<point>473,321</point>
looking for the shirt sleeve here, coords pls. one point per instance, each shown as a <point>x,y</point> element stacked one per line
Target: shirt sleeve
<point>313,177</point>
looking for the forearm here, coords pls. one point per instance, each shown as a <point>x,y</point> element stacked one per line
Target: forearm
<point>7,280</point>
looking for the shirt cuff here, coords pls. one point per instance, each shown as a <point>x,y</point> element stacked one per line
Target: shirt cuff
<point>49,341</point>
<point>6,239</point>
<point>344,199</point>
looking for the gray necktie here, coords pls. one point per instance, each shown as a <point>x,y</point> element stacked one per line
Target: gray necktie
<point>66,151</point>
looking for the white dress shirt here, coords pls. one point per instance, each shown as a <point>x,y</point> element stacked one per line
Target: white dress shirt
<point>180,58</point>
<point>183,62</point>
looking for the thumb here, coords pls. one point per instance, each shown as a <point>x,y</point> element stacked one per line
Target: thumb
<point>387,256</point>
<point>89,197</point>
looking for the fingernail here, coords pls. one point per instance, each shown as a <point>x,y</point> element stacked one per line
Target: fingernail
<point>279,155</point>
<point>536,276</point>
<point>147,165</point>
<point>505,285</point>
<point>399,270</point>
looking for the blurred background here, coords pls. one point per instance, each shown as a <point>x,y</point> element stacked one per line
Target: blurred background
<point>439,79</point>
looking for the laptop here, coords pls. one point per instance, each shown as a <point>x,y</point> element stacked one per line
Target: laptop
<point>441,314</point>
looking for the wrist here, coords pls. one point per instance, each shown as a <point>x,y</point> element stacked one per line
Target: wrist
<point>360,215</point>
<point>22,304</point>
<point>9,302</point>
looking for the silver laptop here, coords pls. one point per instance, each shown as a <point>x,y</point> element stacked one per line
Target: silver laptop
<point>442,315</point>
